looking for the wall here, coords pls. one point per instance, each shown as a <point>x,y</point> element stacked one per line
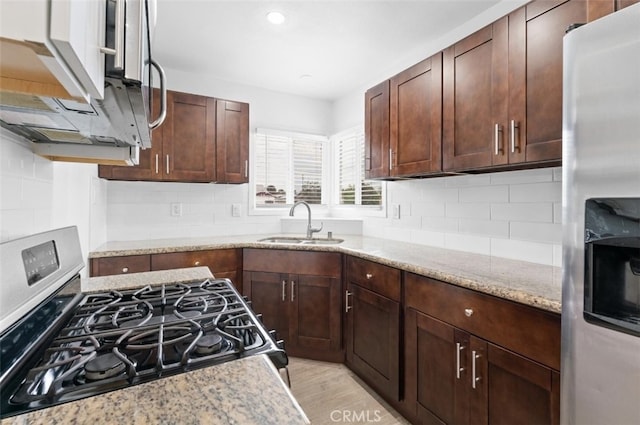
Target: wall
<point>38,195</point>
<point>513,214</point>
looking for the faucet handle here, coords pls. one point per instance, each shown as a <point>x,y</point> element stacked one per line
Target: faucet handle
<point>316,230</point>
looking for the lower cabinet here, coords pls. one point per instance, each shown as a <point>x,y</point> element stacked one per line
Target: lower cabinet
<point>373,325</point>
<point>454,375</point>
<point>298,294</point>
<point>223,263</point>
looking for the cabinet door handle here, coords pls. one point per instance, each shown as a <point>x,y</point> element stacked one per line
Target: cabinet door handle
<point>284,290</point>
<point>293,290</point>
<point>514,127</point>
<point>496,139</point>
<point>369,276</point>
<point>347,307</point>
<point>459,348</point>
<point>390,159</point>
<point>125,270</point>
<point>157,169</point>
<point>474,378</point>
<point>118,50</point>
<point>167,164</point>
<point>246,168</point>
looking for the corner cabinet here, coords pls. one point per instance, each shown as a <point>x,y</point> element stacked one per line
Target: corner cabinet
<point>298,294</point>
<point>471,358</point>
<point>376,131</point>
<point>203,139</point>
<point>373,324</point>
<point>503,89</point>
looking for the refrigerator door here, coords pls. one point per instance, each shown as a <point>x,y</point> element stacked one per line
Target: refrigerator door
<point>601,159</point>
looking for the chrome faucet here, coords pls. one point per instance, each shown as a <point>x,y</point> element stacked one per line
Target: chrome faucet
<point>310,230</point>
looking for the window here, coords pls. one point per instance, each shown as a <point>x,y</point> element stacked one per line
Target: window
<point>352,188</point>
<point>289,167</point>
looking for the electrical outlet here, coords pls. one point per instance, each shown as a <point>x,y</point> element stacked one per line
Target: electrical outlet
<point>176,209</point>
<point>236,210</point>
<point>395,211</point>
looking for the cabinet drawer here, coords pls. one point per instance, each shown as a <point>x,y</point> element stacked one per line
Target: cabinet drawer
<point>526,330</point>
<point>381,279</point>
<point>120,265</point>
<point>222,260</point>
<point>298,262</point>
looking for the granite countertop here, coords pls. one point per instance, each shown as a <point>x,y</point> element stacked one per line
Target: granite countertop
<point>245,391</point>
<point>528,283</point>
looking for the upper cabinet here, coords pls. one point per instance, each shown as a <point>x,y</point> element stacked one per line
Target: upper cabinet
<point>491,101</point>
<point>42,51</point>
<point>403,123</point>
<point>503,89</point>
<point>416,117</point>
<point>203,139</point>
<point>376,133</point>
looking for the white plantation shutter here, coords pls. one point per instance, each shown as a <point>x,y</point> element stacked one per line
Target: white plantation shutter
<point>352,188</point>
<point>288,168</point>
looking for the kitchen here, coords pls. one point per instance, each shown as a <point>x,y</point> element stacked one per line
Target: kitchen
<point>508,214</point>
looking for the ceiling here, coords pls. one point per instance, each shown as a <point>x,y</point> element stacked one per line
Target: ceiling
<point>324,49</point>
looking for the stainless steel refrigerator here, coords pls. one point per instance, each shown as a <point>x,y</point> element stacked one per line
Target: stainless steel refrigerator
<point>601,222</point>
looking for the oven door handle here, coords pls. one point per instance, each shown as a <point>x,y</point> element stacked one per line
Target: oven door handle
<point>163,96</point>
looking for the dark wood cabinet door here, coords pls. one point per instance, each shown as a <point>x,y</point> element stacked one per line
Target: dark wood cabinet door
<point>534,126</point>
<point>520,391</point>
<point>120,265</point>
<point>376,131</point>
<point>416,119</point>
<point>475,99</point>
<point>315,314</point>
<point>268,293</point>
<point>430,368</point>
<point>189,138</point>
<point>373,342</point>
<point>148,167</point>
<point>232,142</point>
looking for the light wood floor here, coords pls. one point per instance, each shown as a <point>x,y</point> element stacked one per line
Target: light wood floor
<point>329,393</point>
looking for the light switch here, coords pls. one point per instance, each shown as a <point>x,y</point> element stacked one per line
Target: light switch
<point>236,210</point>
<point>395,211</point>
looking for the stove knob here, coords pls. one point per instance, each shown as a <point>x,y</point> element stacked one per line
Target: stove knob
<point>272,333</point>
<point>280,344</point>
<point>259,316</point>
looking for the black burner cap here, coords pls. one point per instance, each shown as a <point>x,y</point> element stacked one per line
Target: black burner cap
<point>104,366</point>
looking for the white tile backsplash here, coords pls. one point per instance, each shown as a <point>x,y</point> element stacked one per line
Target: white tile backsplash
<point>514,214</point>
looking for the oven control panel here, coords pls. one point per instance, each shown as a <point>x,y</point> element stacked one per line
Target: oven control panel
<point>40,261</point>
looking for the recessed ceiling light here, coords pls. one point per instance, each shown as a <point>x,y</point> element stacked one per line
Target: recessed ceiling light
<point>276,18</point>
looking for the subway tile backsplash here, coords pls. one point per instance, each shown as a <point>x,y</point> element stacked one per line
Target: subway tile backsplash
<point>514,214</point>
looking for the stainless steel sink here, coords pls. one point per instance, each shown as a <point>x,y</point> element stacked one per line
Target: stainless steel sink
<point>301,241</point>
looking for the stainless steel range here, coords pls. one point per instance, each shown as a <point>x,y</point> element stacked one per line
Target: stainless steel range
<point>71,345</point>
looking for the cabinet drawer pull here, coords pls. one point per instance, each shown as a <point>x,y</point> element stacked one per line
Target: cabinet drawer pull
<point>293,290</point>
<point>369,276</point>
<point>514,127</point>
<point>474,378</point>
<point>125,270</point>
<point>347,307</point>
<point>284,290</point>
<point>197,263</point>
<point>459,348</point>
<point>468,312</point>
<point>496,139</point>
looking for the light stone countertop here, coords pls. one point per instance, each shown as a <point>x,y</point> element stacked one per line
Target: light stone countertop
<point>528,283</point>
<point>245,391</point>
